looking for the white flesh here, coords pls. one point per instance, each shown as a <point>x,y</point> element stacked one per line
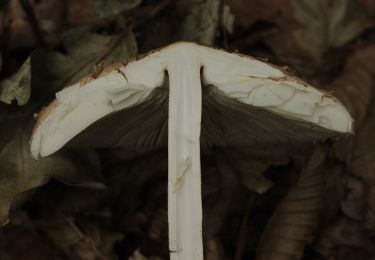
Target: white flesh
<point>243,78</point>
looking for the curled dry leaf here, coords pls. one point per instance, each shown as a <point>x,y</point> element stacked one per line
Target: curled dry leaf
<point>296,217</point>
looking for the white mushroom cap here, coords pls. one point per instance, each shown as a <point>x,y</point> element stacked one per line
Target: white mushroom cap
<point>245,79</point>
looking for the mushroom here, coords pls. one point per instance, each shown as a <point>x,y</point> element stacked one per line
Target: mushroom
<point>245,102</point>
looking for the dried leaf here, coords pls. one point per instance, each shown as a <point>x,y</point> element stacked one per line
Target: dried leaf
<point>308,29</point>
<point>344,233</point>
<point>354,204</point>
<point>139,256</point>
<point>83,13</point>
<point>50,72</point>
<point>218,210</point>
<point>355,86</point>
<point>363,165</point>
<point>107,8</point>
<point>17,87</point>
<point>86,48</point>
<point>250,164</point>
<point>214,250</point>
<point>49,17</point>
<point>89,241</point>
<point>201,23</point>
<point>23,242</point>
<point>329,24</point>
<point>333,191</point>
<point>19,172</point>
<point>296,217</point>
<point>247,12</point>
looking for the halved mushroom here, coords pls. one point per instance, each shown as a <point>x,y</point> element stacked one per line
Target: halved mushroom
<point>245,102</point>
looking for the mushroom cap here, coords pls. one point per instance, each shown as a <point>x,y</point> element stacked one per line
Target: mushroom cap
<point>245,101</point>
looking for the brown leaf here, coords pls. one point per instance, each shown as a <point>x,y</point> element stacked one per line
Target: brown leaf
<point>363,165</point>
<point>355,89</point>
<point>110,8</point>
<point>250,164</point>
<point>82,13</point>
<point>217,211</point>
<point>343,233</point>
<point>201,23</point>
<point>89,241</point>
<point>319,26</point>
<point>214,250</point>
<point>22,242</point>
<point>49,16</point>
<point>19,172</point>
<point>355,86</point>
<point>354,204</point>
<point>333,191</point>
<point>247,12</point>
<point>296,217</point>
<point>139,256</point>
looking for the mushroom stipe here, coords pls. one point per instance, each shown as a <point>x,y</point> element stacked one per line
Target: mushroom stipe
<point>185,97</point>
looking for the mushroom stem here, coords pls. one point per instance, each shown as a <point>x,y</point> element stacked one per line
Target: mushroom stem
<point>184,169</point>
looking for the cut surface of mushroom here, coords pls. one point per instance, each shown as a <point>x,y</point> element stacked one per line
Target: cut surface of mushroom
<point>244,101</point>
